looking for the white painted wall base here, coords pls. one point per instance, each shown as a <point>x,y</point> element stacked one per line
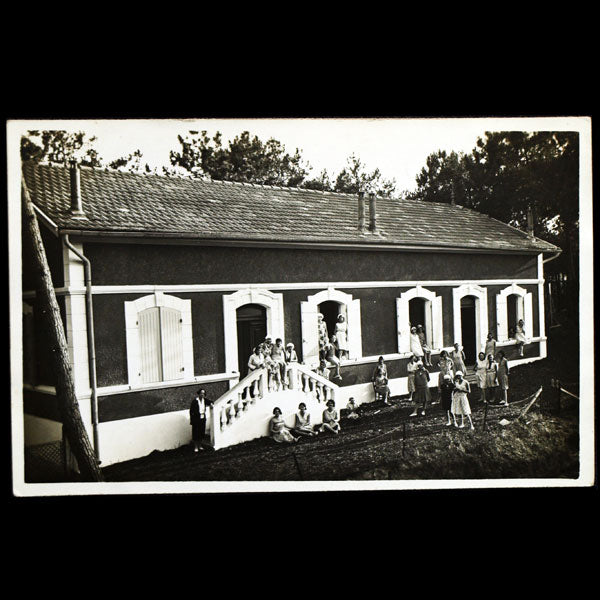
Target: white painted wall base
<point>37,430</point>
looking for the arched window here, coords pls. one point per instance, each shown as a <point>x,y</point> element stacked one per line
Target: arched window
<point>512,304</point>
<point>419,306</point>
<point>475,313</point>
<point>330,303</point>
<point>159,339</point>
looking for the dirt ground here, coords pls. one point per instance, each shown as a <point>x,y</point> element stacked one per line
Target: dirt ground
<point>387,444</point>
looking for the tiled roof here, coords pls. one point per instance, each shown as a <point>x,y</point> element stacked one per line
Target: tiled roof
<point>125,202</point>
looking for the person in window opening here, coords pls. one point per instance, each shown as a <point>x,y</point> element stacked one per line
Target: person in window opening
<point>353,411</point>
<point>458,358</point>
<point>329,356</point>
<point>280,432</point>
<point>503,373</point>
<point>341,332</point>
<point>302,424</point>
<point>446,389</point>
<point>421,395</point>
<point>490,345</point>
<point>415,344</point>
<point>426,350</point>
<point>491,379</point>
<point>411,368</point>
<point>382,390</point>
<point>460,400</point>
<point>198,410</point>
<point>331,419</point>
<point>322,330</point>
<point>520,336</point>
<point>257,359</point>
<point>278,356</point>
<point>481,373</point>
<point>290,353</point>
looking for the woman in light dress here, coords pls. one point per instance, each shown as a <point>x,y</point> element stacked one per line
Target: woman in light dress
<point>415,344</point>
<point>490,345</point>
<point>458,358</point>
<point>503,373</point>
<point>520,336</point>
<point>280,432</point>
<point>460,400</point>
<point>411,368</point>
<point>481,373</point>
<point>331,419</point>
<point>341,333</point>
<point>302,424</point>
<point>323,333</point>
<point>491,378</point>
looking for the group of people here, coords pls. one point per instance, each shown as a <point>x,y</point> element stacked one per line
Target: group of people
<point>335,348</point>
<point>281,433</point>
<point>275,357</point>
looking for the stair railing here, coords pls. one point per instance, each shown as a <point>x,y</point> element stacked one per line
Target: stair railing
<point>301,378</point>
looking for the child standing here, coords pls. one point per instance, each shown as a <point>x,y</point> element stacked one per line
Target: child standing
<point>415,344</point>
<point>460,400</point>
<point>503,373</point>
<point>491,378</point>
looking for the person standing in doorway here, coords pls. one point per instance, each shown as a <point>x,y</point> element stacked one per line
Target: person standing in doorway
<point>198,410</point>
<point>424,346</point>
<point>415,344</point>
<point>341,333</point>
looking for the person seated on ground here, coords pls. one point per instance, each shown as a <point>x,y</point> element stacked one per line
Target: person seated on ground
<point>502,374</point>
<point>446,390</point>
<point>341,332</point>
<point>481,373</point>
<point>424,345</point>
<point>278,356</point>
<point>382,390</point>
<point>331,419</point>
<point>379,366</point>
<point>490,345</point>
<point>460,400</point>
<point>491,379</point>
<point>256,360</point>
<point>353,411</point>
<point>302,424</point>
<point>421,395</point>
<point>329,356</point>
<point>279,431</point>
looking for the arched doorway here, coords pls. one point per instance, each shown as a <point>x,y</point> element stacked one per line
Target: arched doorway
<point>251,330</point>
<point>513,302</point>
<point>468,325</point>
<point>330,309</point>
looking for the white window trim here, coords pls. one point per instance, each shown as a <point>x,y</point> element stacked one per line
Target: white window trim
<point>275,321</point>
<point>524,310</point>
<point>310,308</point>
<point>402,318</point>
<point>132,310</point>
<point>481,313</point>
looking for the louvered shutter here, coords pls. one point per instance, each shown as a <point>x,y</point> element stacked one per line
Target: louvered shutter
<point>501,318</point>
<point>438,323</point>
<point>528,317</point>
<point>150,351</point>
<point>403,325</point>
<point>354,329</point>
<point>310,333</point>
<point>172,349</point>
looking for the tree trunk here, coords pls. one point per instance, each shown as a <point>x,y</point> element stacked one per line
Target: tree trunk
<point>73,427</point>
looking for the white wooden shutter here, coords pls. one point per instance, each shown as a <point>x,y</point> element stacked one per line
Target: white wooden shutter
<point>150,351</point>
<point>403,325</point>
<point>528,317</point>
<point>310,333</point>
<point>172,349</point>
<point>438,323</point>
<point>354,329</point>
<point>429,322</point>
<point>501,317</point>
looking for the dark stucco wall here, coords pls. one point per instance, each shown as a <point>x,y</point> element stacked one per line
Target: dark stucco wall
<point>41,405</point>
<point>53,248</point>
<point>129,264</point>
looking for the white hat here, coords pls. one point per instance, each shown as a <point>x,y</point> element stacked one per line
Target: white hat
<point>446,376</point>
<point>458,373</point>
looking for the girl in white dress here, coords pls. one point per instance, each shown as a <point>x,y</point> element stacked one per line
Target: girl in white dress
<point>415,344</point>
<point>460,400</point>
<point>341,333</point>
<point>481,373</point>
<point>520,335</point>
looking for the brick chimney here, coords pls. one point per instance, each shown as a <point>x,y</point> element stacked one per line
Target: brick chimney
<point>529,221</point>
<point>361,211</point>
<point>74,175</point>
<point>372,212</point>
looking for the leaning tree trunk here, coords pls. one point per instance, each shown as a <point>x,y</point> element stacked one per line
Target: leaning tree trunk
<point>73,427</point>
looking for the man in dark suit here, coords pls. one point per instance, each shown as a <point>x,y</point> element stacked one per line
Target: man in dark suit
<point>198,410</point>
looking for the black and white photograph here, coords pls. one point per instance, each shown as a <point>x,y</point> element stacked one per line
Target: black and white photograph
<point>300,304</point>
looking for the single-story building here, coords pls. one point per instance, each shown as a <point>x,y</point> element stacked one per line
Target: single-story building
<point>187,275</point>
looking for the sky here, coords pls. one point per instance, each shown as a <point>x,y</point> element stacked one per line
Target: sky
<point>397,147</point>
